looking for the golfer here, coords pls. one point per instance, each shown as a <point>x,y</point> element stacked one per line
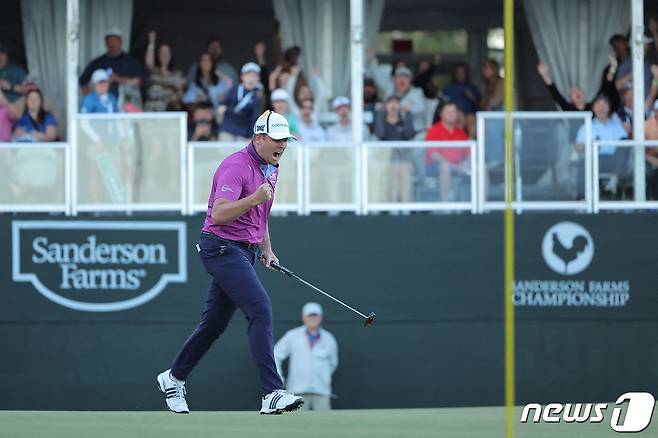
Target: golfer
<point>234,236</point>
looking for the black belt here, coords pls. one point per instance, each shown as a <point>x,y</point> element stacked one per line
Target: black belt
<point>246,245</point>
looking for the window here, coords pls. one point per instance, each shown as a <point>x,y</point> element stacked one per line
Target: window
<point>452,42</point>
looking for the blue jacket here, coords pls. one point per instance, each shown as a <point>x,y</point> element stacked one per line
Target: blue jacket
<point>92,103</point>
<point>242,110</point>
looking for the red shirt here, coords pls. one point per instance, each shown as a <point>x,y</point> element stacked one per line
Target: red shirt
<point>438,132</point>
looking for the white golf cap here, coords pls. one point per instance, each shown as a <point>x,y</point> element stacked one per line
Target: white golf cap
<point>311,309</point>
<point>99,76</point>
<point>273,125</point>
<point>340,101</point>
<point>250,67</point>
<point>114,31</point>
<point>655,105</point>
<point>279,94</point>
<point>403,71</point>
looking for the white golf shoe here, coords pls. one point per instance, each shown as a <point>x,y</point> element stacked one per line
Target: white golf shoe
<point>174,393</point>
<point>280,401</point>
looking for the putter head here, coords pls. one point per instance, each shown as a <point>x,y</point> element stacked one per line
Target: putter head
<point>369,320</point>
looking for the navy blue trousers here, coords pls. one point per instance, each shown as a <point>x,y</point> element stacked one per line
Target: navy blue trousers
<point>234,285</point>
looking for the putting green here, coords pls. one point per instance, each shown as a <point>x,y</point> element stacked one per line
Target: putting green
<point>398,423</point>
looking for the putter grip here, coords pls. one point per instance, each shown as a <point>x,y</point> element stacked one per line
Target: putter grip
<point>280,268</point>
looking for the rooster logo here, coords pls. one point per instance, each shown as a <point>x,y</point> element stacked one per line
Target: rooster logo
<point>568,248</point>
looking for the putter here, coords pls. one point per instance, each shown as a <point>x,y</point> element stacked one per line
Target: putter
<point>369,319</point>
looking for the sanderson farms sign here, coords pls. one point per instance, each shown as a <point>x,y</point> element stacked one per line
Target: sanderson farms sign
<point>99,266</point>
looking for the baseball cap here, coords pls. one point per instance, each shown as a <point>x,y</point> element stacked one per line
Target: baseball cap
<point>311,309</point>
<point>99,76</point>
<point>403,71</point>
<point>279,94</point>
<point>114,31</point>
<point>250,67</point>
<point>274,125</point>
<point>340,101</point>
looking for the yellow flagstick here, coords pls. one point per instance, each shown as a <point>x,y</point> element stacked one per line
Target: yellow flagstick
<point>509,217</point>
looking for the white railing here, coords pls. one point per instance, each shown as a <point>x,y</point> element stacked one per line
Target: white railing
<point>519,203</point>
<point>143,162</point>
<point>442,205</point>
<point>638,147</point>
<point>35,183</point>
<point>123,140</point>
<point>198,190</point>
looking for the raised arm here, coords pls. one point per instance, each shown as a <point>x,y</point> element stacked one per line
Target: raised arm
<point>149,57</point>
<point>225,211</point>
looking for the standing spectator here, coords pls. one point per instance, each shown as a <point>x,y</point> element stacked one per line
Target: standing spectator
<point>612,159</point>
<point>411,98</point>
<point>341,131</point>
<point>464,94</point>
<point>36,124</point>
<point>577,100</point>
<point>310,130</point>
<point>393,125</point>
<point>313,357</point>
<point>492,97</point>
<point>446,161</point>
<point>259,51</point>
<point>100,100</point>
<point>123,69</point>
<point>425,70</point>
<point>11,76</point>
<point>315,90</point>
<point>164,86</point>
<point>280,104</point>
<point>223,68</point>
<point>371,103</point>
<point>241,107</point>
<point>207,85</point>
<point>203,126</point>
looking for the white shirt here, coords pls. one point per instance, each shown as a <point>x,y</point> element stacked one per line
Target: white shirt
<point>309,369</point>
<point>312,133</point>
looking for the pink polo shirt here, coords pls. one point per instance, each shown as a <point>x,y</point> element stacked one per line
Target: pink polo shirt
<point>237,177</point>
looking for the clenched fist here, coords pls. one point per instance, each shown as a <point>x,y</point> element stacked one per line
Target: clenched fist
<point>262,194</point>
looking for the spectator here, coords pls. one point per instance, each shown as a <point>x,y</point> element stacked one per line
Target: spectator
<point>313,357</point>
<point>492,97</point>
<point>310,130</point>
<point>464,94</point>
<point>280,104</point>
<point>411,98</point>
<point>11,76</point>
<point>425,70</point>
<point>393,125</point>
<point>223,68</point>
<point>651,154</point>
<point>652,55</point>
<point>207,85</point>
<point>36,124</point>
<point>446,161</point>
<point>17,108</point>
<point>371,103</point>
<point>624,74</point>
<point>316,90</point>
<point>241,106</point>
<point>577,100</point>
<point>341,131</point>
<point>124,69</point>
<point>259,51</point>
<point>612,159</point>
<point>203,126</point>
<point>100,100</point>
<point>165,85</point>
<point>625,112</point>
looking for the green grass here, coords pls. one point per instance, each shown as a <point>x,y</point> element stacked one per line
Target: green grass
<point>398,423</point>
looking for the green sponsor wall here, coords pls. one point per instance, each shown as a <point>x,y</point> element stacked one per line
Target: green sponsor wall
<point>435,282</point>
